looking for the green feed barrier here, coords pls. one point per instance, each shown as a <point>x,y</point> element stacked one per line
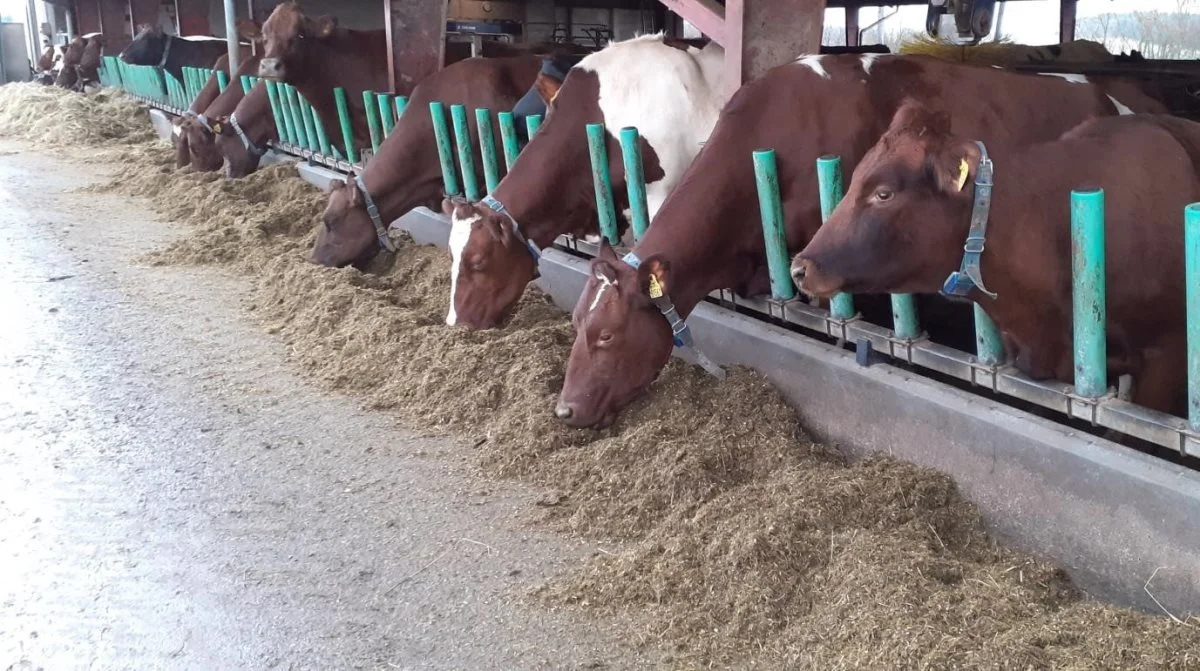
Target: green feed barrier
<point>297,115</point>
<point>532,123</point>
<point>401,105</point>
<point>372,110</point>
<point>829,182</point>
<point>1191,246</point>
<point>222,80</point>
<point>508,137</point>
<point>441,133</point>
<point>245,84</point>
<point>487,148</point>
<point>989,347</point>
<point>310,125</point>
<point>770,207</point>
<point>1087,292</point>
<point>343,108</point>
<point>635,181</point>
<point>277,111</point>
<point>602,181</point>
<point>466,158</point>
<point>387,113</point>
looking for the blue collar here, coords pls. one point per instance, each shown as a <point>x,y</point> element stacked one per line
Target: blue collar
<point>681,333</point>
<point>969,275</point>
<point>380,230</point>
<point>498,207</point>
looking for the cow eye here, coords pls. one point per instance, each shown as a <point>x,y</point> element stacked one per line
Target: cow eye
<point>605,338</point>
<point>883,194</point>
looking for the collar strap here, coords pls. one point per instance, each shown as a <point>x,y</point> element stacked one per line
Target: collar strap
<point>380,230</point>
<point>681,333</point>
<point>498,207</point>
<point>166,51</point>
<point>246,141</point>
<point>969,275</point>
<point>198,117</point>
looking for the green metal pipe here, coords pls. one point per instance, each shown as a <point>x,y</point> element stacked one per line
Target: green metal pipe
<point>343,108</point>
<point>245,84</point>
<point>277,111</point>
<point>602,181</point>
<point>285,106</point>
<point>222,80</point>
<point>322,136</point>
<point>508,137</point>
<point>401,105</point>
<point>989,347</point>
<point>829,183</point>
<point>466,157</point>
<point>387,113</point>
<point>1191,247</point>
<point>904,317</point>
<point>441,133</point>
<point>635,181</point>
<point>1087,291</point>
<point>770,207</point>
<point>297,115</point>
<point>310,126</point>
<point>532,123</point>
<point>372,109</point>
<point>487,148</point>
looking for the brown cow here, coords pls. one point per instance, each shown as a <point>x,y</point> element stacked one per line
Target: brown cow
<point>406,173</point>
<point>670,92</point>
<point>242,136</point>
<point>89,62</point>
<point>68,75</point>
<point>317,55</point>
<point>195,130</point>
<point>45,62</point>
<point>906,214</point>
<point>707,235</point>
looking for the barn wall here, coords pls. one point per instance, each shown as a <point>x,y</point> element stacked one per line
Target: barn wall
<point>355,14</point>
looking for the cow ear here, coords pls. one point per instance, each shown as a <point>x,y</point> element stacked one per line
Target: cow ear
<point>356,198</point>
<point>547,87</point>
<point>448,206</point>
<point>606,252</point>
<point>915,117</point>
<point>249,30</point>
<point>654,276</point>
<point>956,165</point>
<point>325,26</point>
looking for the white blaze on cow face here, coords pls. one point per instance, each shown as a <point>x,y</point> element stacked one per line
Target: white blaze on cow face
<point>1121,109</point>
<point>672,96</point>
<point>1073,78</point>
<point>814,63</point>
<point>460,234</point>
<point>605,282</point>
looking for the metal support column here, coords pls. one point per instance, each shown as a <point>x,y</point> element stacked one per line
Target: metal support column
<point>416,37</point>
<point>231,36</point>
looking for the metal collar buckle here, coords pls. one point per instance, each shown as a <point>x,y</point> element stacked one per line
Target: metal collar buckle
<point>969,274</point>
<point>380,229</point>
<point>498,207</point>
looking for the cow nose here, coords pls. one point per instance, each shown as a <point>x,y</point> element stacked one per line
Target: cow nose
<point>268,67</point>
<point>563,411</point>
<point>799,267</point>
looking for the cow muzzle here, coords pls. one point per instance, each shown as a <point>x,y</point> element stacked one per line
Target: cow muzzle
<point>271,68</point>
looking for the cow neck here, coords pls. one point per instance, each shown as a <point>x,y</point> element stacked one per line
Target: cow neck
<point>542,214</point>
<point>406,173</point>
<point>344,59</point>
<point>254,115</point>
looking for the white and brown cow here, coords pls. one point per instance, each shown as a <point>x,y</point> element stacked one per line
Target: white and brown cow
<point>671,91</point>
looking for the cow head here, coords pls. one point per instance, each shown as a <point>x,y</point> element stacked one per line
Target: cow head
<point>347,235</point>
<point>285,35</point>
<point>74,51</point>
<point>146,48</point>
<point>489,266</point>
<point>902,223</point>
<point>203,152</point>
<point>622,341</point>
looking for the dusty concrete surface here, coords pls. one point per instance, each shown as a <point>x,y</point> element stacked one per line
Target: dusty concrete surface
<point>173,495</point>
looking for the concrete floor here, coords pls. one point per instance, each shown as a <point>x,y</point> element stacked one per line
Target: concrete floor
<point>174,496</point>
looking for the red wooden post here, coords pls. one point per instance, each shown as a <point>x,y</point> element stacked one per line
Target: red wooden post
<point>416,37</point>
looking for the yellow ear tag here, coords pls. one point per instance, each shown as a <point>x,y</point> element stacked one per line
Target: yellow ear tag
<point>216,129</point>
<point>963,169</point>
<point>655,288</point>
